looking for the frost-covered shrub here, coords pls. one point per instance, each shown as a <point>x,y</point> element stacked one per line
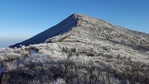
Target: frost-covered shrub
<point>75,63</point>
<point>9,54</point>
<point>9,66</point>
<point>58,81</point>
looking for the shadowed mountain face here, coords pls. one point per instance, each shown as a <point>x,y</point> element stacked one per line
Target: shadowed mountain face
<point>79,50</point>
<point>60,28</point>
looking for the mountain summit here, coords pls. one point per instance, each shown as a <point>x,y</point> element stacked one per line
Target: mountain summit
<point>78,27</point>
<point>58,29</point>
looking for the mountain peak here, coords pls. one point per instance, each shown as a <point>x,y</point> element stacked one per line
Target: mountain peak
<point>77,15</point>
<point>80,28</point>
<point>62,27</point>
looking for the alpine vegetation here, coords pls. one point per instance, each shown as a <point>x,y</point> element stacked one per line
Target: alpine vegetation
<point>79,50</point>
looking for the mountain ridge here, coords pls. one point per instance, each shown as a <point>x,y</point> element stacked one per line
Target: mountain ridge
<point>85,27</point>
<point>41,37</point>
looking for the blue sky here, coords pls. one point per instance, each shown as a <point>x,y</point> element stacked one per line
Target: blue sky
<point>21,19</point>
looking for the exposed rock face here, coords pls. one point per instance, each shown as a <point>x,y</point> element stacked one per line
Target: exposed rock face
<point>85,51</point>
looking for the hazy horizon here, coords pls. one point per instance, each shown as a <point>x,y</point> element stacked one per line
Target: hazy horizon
<point>6,42</point>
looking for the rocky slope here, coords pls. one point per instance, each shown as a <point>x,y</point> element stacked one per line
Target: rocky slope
<point>85,50</point>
